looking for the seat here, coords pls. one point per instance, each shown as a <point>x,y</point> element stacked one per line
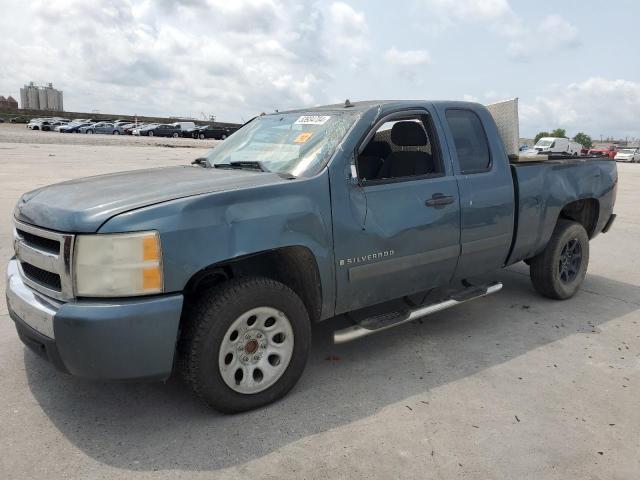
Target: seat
<point>371,159</point>
<point>408,163</point>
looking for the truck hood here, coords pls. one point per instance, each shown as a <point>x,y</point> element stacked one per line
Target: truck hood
<point>83,205</point>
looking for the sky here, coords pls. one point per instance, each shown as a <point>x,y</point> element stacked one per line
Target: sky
<point>573,63</point>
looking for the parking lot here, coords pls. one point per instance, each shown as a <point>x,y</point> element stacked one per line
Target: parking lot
<point>511,386</point>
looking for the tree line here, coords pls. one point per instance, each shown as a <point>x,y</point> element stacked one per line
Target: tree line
<point>582,138</point>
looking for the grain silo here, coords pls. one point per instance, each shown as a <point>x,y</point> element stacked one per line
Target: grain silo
<point>34,97</point>
<point>42,99</point>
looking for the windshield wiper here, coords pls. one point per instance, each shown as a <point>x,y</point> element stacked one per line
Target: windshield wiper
<point>249,165</point>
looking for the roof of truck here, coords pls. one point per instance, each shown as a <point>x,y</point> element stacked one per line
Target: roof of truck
<point>369,104</point>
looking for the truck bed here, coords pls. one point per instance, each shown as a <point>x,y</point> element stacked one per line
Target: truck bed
<point>543,188</point>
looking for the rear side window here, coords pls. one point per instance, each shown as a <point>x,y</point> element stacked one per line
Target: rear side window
<point>470,141</point>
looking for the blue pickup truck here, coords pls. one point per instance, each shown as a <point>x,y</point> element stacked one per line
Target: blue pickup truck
<point>380,211</point>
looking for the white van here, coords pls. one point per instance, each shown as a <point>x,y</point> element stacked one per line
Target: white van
<point>558,145</point>
<point>185,126</point>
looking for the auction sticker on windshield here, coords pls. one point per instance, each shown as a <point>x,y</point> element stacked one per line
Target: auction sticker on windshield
<point>303,137</point>
<point>312,119</point>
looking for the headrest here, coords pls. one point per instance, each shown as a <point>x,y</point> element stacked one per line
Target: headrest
<point>377,149</point>
<point>408,134</point>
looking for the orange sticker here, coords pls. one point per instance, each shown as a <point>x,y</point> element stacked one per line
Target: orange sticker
<point>303,137</point>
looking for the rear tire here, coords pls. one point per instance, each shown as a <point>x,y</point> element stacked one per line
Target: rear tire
<point>228,340</point>
<point>558,271</point>
<point>150,134</point>
<point>175,135</point>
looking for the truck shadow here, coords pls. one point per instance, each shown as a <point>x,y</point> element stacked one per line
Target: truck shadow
<point>163,426</point>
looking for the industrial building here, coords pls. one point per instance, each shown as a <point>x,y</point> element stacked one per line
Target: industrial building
<point>35,97</point>
<point>8,103</point>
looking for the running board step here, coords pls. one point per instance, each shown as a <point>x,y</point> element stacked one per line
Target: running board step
<point>378,323</point>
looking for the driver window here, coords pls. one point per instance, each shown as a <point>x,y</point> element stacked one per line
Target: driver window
<point>400,148</point>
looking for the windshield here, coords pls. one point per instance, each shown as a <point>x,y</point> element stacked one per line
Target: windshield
<point>293,143</point>
<point>627,150</point>
<point>544,143</point>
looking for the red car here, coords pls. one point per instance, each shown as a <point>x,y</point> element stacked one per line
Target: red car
<point>604,151</point>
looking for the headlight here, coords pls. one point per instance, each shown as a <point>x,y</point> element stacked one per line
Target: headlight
<point>118,265</point>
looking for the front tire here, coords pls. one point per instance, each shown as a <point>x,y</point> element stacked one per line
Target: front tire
<point>558,271</point>
<point>245,344</point>
<point>150,134</point>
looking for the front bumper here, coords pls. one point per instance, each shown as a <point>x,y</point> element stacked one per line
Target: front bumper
<point>115,339</point>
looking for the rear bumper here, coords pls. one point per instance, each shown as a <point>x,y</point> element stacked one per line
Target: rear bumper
<point>129,339</point>
<point>609,223</point>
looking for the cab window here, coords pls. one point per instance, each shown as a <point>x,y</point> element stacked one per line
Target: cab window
<point>470,141</point>
<point>401,148</point>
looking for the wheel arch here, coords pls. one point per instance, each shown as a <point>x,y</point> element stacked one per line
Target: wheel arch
<point>294,266</point>
<point>585,211</point>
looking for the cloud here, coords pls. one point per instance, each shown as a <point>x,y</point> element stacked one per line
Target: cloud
<point>524,37</point>
<point>597,106</point>
<point>231,58</point>
<point>450,12</point>
<point>551,35</point>
<point>407,58</point>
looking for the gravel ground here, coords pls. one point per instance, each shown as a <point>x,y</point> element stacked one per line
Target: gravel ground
<point>512,386</point>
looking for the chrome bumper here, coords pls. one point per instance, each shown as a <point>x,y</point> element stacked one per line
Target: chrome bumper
<point>34,309</point>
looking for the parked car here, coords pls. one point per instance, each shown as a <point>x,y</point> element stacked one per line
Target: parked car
<point>207,131</point>
<point>103,127</point>
<point>162,130</point>
<point>143,130</point>
<point>44,125</point>
<point>75,127</point>
<point>631,155</point>
<point>524,147</point>
<point>558,145</point>
<point>128,128</point>
<point>298,217</point>
<point>58,125</point>
<point>35,122</point>
<point>606,150</point>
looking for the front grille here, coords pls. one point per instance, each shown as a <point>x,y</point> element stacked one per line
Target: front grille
<point>45,258</point>
<point>41,243</point>
<point>46,279</point>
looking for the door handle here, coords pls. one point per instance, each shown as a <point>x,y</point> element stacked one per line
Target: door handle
<point>438,200</point>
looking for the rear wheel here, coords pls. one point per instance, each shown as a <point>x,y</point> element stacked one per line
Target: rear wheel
<point>116,132</point>
<point>150,133</point>
<point>558,271</point>
<point>201,136</point>
<point>175,135</point>
<point>90,132</point>
<point>245,344</point>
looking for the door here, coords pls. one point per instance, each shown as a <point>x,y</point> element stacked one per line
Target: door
<point>486,189</point>
<point>397,229</point>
